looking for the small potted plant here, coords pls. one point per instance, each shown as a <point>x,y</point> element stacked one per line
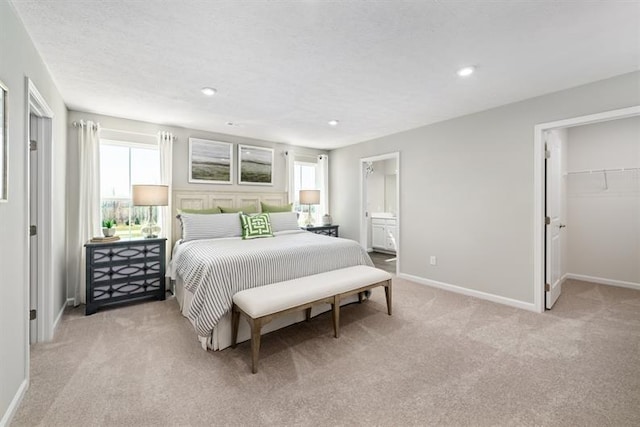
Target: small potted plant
<point>108,227</point>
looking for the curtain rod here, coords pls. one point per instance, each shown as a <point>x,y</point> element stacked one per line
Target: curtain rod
<point>97,125</point>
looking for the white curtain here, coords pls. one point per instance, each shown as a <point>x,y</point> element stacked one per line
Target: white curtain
<point>88,224</point>
<point>291,158</point>
<point>323,182</point>
<point>165,146</point>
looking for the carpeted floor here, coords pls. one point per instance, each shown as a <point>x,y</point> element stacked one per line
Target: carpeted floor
<point>441,359</point>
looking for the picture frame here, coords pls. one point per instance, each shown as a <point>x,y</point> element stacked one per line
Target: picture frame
<point>255,165</point>
<point>4,143</point>
<point>210,162</point>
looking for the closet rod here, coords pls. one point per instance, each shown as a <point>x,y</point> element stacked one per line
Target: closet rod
<point>603,170</point>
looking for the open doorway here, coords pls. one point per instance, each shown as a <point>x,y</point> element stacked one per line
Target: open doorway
<point>380,209</point>
<point>571,193</point>
<point>39,172</point>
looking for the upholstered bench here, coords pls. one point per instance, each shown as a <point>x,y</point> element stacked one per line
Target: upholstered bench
<point>260,305</point>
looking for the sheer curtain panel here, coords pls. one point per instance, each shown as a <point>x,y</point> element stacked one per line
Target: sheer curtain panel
<point>165,147</point>
<point>323,183</point>
<point>88,209</point>
<point>291,186</point>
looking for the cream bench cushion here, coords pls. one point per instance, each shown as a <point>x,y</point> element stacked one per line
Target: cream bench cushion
<point>260,305</point>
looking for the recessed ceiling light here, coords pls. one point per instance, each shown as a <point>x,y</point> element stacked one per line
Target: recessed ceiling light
<point>209,91</point>
<point>333,122</point>
<point>466,71</point>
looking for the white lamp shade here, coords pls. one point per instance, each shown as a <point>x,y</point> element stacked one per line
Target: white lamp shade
<point>150,195</point>
<point>309,197</point>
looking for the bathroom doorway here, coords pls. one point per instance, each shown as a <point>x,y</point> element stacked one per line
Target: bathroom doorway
<point>380,209</point>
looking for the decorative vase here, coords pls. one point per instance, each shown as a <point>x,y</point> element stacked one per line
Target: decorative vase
<point>108,232</point>
<point>326,219</point>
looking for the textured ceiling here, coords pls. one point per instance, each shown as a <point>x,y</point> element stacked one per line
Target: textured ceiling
<point>285,68</point>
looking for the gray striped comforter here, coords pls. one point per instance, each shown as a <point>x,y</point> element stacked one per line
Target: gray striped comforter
<point>214,270</point>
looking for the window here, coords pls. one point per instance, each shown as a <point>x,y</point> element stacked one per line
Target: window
<point>305,178</point>
<point>121,165</point>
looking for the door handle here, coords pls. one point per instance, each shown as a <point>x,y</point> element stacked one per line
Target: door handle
<point>562,226</point>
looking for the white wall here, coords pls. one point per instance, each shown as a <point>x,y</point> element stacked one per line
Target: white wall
<point>604,225</point>
<point>467,188</point>
<point>19,58</point>
<point>180,159</point>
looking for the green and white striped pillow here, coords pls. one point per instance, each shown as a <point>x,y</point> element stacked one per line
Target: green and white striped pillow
<point>255,226</point>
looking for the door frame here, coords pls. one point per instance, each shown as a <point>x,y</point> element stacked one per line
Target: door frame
<point>364,232</point>
<point>36,104</point>
<point>539,190</point>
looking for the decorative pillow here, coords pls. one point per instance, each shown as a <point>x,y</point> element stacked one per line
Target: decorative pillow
<point>197,226</point>
<point>254,226</point>
<point>276,208</point>
<point>209,211</point>
<point>284,221</point>
<point>247,209</point>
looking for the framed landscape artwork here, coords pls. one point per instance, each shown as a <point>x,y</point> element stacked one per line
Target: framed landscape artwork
<point>210,162</point>
<point>255,165</point>
<point>4,122</point>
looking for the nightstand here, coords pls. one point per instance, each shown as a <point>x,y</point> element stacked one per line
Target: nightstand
<point>327,230</point>
<point>122,271</point>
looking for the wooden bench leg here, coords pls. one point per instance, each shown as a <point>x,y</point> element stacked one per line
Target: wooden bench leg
<point>335,309</point>
<point>387,293</point>
<point>256,326</point>
<point>235,320</point>
<point>308,314</point>
<point>360,297</point>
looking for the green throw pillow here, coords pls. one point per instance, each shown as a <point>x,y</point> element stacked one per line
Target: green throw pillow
<point>246,209</point>
<point>254,226</point>
<point>209,211</point>
<point>276,208</point>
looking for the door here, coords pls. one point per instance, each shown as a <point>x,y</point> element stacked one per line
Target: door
<point>553,213</point>
<point>33,221</point>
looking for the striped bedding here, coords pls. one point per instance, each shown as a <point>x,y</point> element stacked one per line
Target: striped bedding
<point>214,270</point>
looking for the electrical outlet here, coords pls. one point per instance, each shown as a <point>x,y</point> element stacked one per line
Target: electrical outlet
<point>433,260</point>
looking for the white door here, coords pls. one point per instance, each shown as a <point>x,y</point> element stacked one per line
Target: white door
<point>553,211</point>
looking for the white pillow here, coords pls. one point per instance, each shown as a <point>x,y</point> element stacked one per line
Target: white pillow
<point>213,226</point>
<point>284,221</point>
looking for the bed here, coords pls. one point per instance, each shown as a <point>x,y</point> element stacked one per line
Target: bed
<point>208,271</point>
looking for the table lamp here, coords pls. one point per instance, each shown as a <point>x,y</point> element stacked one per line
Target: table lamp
<point>150,195</point>
<point>309,197</point>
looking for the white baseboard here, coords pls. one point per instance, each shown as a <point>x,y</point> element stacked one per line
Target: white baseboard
<point>471,292</point>
<point>58,317</point>
<point>603,281</point>
<point>15,403</point>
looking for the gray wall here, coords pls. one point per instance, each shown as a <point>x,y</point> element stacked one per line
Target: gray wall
<point>180,158</point>
<point>19,58</point>
<point>466,188</point>
<point>603,231</point>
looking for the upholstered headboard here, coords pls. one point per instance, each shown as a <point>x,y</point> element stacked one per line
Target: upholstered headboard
<point>187,199</point>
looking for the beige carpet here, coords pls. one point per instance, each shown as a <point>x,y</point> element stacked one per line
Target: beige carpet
<point>442,359</point>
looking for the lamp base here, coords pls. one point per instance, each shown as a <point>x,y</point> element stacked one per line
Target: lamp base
<point>310,222</point>
<point>150,230</point>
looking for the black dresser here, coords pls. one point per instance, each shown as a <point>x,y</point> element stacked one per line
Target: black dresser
<point>126,270</point>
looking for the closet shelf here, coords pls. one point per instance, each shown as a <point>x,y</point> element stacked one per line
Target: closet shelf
<point>604,173</point>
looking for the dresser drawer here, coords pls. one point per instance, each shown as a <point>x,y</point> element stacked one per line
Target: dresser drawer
<point>132,253</point>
